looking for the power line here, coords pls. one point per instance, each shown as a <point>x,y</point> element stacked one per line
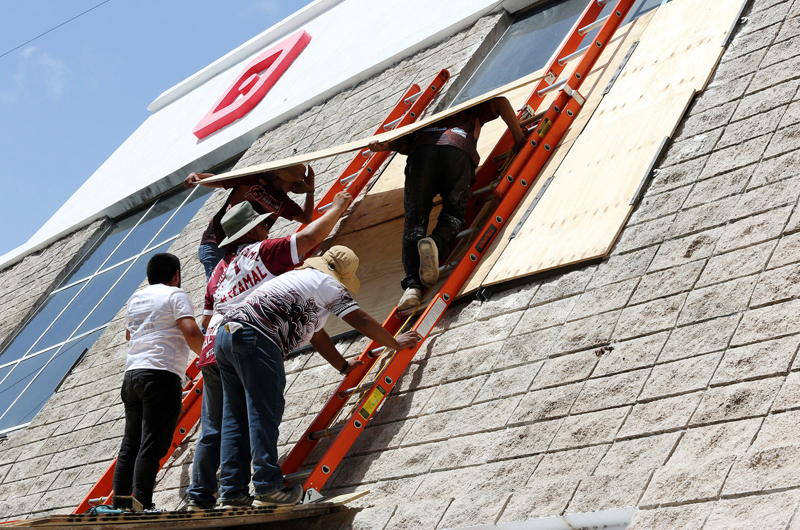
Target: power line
<point>54,28</point>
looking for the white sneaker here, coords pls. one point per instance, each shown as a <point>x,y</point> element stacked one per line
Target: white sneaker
<point>428,261</point>
<point>410,299</point>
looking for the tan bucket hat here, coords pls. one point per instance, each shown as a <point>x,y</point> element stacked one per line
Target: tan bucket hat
<point>239,220</point>
<point>339,262</point>
<point>296,173</point>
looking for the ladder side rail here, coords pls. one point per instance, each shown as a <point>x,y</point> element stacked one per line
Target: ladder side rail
<point>560,122</point>
<point>569,45</point>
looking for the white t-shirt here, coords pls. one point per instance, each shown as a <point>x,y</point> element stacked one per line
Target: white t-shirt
<point>289,309</point>
<point>157,342</point>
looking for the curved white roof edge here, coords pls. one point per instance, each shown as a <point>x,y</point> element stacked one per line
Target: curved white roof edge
<point>273,34</point>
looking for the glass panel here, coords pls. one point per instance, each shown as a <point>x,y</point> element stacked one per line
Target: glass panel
<point>19,378</point>
<point>50,310</point>
<point>531,40</point>
<point>185,214</point>
<point>102,250</point>
<point>34,398</point>
<point>84,302</point>
<point>118,296</point>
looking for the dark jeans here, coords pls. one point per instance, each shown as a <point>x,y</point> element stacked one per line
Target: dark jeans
<point>210,254</point>
<point>152,401</point>
<point>253,380</point>
<point>434,170</point>
<point>207,451</point>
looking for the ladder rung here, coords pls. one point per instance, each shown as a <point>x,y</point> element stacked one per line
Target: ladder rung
<point>375,352</point>
<point>357,389</point>
<point>564,60</point>
<point>344,181</point>
<point>447,268</point>
<point>601,3</point>
<point>366,153</point>
<point>412,98</point>
<point>596,24</point>
<point>533,119</point>
<point>391,125</point>
<point>333,431</point>
<point>298,476</point>
<point>551,88</point>
<point>465,233</point>
<point>323,209</point>
<point>486,189</point>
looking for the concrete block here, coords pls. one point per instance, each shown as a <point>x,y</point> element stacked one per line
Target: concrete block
<point>720,186</point>
<point>681,483</point>
<point>644,235</point>
<point>463,451</point>
<point>778,430</point>
<point>671,177</point>
<point>640,455</point>
<point>749,260</point>
<point>786,252</point>
<point>768,322</point>
<point>760,511</point>
<point>775,96</point>
<point>763,18</point>
<point>735,156</point>
<point>713,441</point>
<point>565,369</point>
<point>522,349</point>
<point>686,517</point>
<point>374,518</point>
<point>612,391</point>
<point>405,405</point>
<point>604,492</point>
<point>768,197</point>
<point>508,301</point>
<point>591,428</point>
<point>667,282</point>
<point>540,499</point>
<point>691,248</point>
<point>789,394</point>
<point>546,315</point>
<point>586,333</point>
<point>744,65</point>
<point>622,267</point>
<point>470,362</point>
<point>784,140</point>
<point>424,514</point>
<point>603,299</point>
<point>649,317</point>
<point>392,492</point>
<point>551,402</point>
<point>756,360</point>
<point>742,45</point>
<point>719,92</point>
<point>660,205</point>
<point>527,440</point>
<point>509,382</point>
<point>775,170</point>
<point>475,508</point>
<point>681,377</point>
<point>777,285</point>
<point>693,147</point>
<point>455,395</point>
<point>752,230</point>
<point>563,285</point>
<point>700,122</point>
<point>491,330</point>
<point>660,415</point>
<point>759,124</point>
<point>741,400</point>
<point>699,338</point>
<point>718,300</point>
<point>703,217</point>
<point>792,114</point>
<point>381,437</point>
<point>477,418</point>
<point>631,354</point>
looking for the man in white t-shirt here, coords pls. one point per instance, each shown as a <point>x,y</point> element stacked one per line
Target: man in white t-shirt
<point>162,331</point>
<point>252,340</point>
<point>251,260</point>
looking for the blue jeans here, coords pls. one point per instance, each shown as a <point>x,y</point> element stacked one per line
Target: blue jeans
<point>206,454</point>
<point>253,380</point>
<point>210,254</point>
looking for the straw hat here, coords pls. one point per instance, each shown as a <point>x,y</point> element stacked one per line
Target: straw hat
<point>339,262</point>
<point>239,220</point>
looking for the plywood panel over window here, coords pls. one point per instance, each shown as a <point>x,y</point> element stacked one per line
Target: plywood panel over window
<point>588,202</point>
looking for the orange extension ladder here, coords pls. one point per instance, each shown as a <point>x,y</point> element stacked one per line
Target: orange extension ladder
<point>353,179</point>
<point>509,177</point>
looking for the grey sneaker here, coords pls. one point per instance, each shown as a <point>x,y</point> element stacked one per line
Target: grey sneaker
<point>410,299</point>
<point>194,506</point>
<point>428,261</point>
<point>288,495</point>
<point>239,502</point>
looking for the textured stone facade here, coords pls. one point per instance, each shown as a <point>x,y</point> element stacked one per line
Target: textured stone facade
<point>516,407</point>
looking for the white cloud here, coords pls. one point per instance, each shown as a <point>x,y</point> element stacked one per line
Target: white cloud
<point>55,71</point>
<point>268,7</point>
<point>38,73</point>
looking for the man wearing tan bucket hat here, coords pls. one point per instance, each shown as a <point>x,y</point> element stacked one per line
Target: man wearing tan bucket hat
<point>252,341</point>
<point>267,191</point>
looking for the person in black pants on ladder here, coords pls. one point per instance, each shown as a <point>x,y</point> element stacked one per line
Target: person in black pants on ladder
<point>441,161</point>
<point>162,331</point>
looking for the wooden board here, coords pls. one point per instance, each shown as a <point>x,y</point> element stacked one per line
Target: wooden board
<point>179,520</point>
<point>591,89</point>
<point>384,137</point>
<point>582,213</point>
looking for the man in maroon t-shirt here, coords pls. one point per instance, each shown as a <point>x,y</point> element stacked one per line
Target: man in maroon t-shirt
<point>268,193</point>
<point>441,161</point>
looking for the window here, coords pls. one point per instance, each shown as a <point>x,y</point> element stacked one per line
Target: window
<point>79,309</point>
<point>531,40</point>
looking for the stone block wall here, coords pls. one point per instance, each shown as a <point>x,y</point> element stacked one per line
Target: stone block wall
<point>50,466</point>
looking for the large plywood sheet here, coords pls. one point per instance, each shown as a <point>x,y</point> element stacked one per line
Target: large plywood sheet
<point>584,209</point>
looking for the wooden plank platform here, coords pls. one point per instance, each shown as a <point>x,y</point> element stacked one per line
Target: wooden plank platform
<point>218,518</point>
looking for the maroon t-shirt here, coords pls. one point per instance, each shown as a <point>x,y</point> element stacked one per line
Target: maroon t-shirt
<point>460,130</point>
<point>259,190</point>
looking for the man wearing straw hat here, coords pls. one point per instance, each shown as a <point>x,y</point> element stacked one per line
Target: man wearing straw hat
<point>251,260</point>
<point>252,341</point>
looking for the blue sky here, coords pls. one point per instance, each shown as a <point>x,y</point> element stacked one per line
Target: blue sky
<point>70,98</point>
